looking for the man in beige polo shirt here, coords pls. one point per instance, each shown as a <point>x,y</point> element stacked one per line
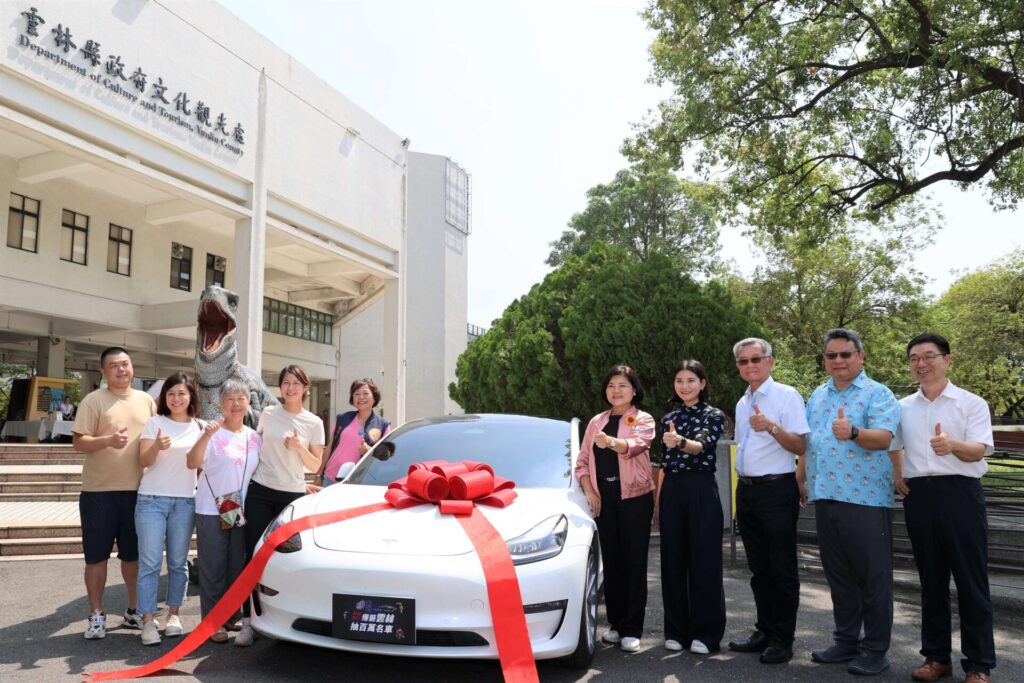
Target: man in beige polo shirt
<point>107,429</point>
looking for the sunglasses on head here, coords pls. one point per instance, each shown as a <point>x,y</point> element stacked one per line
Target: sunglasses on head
<point>832,355</point>
<point>756,360</point>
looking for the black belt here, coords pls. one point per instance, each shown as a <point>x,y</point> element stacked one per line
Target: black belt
<point>764,479</point>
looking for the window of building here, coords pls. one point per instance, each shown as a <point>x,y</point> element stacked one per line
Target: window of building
<point>23,223</point>
<point>216,267</point>
<point>280,317</point>
<point>119,250</point>
<point>181,267</point>
<point>457,210</point>
<point>74,237</point>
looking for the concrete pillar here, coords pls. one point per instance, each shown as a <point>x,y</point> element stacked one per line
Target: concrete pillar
<point>50,356</point>
<point>250,252</point>
<point>394,352</point>
<point>89,380</point>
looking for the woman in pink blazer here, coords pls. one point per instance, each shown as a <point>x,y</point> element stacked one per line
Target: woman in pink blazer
<point>614,469</point>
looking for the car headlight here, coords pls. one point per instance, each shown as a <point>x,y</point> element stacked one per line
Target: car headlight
<point>294,543</point>
<point>541,542</point>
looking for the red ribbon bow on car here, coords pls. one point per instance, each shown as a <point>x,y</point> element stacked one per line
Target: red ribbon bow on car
<point>455,488</point>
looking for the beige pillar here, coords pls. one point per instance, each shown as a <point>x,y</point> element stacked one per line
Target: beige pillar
<point>50,356</point>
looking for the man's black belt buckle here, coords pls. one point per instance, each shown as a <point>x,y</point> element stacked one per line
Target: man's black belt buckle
<point>763,479</point>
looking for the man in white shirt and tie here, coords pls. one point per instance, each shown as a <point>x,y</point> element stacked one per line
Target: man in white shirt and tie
<point>945,433</point>
<point>771,424</point>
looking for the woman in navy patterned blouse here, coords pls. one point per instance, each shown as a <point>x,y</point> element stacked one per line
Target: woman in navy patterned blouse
<point>689,513</point>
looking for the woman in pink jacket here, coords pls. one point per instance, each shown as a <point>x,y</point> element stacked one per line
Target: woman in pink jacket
<point>614,469</point>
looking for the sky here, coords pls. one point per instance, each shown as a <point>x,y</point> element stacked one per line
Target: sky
<point>534,99</point>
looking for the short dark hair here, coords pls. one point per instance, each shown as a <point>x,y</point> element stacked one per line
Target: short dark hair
<point>697,368</point>
<point>630,374</point>
<point>295,370</point>
<point>172,381</point>
<point>112,351</point>
<point>929,338</point>
<point>843,333</point>
<point>364,382</point>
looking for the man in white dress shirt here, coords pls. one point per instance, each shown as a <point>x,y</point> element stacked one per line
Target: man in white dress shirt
<point>770,427</point>
<point>945,433</point>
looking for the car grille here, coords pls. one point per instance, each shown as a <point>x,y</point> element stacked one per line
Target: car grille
<point>424,637</point>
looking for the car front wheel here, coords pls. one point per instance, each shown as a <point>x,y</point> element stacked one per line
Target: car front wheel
<point>582,657</point>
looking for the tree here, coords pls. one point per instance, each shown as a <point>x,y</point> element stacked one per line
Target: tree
<point>857,275</point>
<point>549,351</point>
<point>889,97</point>
<point>982,315</point>
<point>646,209</point>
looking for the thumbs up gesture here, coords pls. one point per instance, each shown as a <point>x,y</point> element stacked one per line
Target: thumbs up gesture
<point>292,442</point>
<point>671,438</point>
<point>841,427</point>
<point>163,442</point>
<point>758,421</point>
<point>941,443</point>
<point>119,439</point>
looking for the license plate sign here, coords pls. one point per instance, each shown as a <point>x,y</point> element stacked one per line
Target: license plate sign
<point>374,618</point>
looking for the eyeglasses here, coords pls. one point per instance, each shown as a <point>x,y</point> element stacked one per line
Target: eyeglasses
<point>832,355</point>
<point>927,358</point>
<point>756,360</point>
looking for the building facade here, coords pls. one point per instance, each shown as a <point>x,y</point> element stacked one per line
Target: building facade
<point>149,149</point>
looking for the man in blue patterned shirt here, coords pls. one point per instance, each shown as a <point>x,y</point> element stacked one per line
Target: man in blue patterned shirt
<point>849,478</point>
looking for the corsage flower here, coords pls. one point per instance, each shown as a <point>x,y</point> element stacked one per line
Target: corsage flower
<point>631,420</point>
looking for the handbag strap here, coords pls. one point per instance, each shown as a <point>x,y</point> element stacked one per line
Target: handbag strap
<point>241,480</point>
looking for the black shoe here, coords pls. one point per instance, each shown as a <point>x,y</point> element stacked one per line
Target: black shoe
<point>756,642</point>
<point>840,653</point>
<point>776,653</point>
<point>869,664</point>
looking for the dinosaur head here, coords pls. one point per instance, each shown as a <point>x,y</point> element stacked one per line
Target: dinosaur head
<point>215,333</point>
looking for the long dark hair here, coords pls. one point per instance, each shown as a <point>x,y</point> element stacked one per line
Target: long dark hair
<point>697,368</point>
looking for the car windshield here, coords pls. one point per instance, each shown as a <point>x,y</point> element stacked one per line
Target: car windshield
<point>533,452</point>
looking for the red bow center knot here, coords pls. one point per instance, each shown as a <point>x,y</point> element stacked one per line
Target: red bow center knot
<point>454,486</point>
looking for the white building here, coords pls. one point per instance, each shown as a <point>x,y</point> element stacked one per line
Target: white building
<point>148,149</point>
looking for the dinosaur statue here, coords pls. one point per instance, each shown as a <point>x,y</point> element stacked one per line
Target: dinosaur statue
<point>217,357</point>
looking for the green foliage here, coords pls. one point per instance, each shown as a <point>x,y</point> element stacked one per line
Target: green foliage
<point>647,209</point>
<point>982,315</point>
<point>8,373</point>
<point>549,351</point>
<point>888,98</point>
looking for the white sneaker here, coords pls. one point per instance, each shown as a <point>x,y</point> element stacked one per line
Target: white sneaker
<point>612,637</point>
<point>150,633</point>
<point>699,648</point>
<point>97,625</point>
<point>673,645</point>
<point>173,627</point>
<point>132,619</point>
<point>630,645</point>
<point>245,636</point>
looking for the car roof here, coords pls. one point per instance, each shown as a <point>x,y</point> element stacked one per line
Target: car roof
<point>484,417</point>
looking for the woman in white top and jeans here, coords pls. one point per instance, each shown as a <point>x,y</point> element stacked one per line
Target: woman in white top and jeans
<point>293,440</point>
<point>165,507</point>
<point>229,453</point>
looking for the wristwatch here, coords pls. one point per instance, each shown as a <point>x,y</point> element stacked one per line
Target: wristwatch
<point>854,432</point>
<point>774,430</point>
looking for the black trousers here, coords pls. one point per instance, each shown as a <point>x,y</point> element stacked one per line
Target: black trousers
<point>856,552</point>
<point>766,512</point>
<point>948,531</point>
<point>691,520</point>
<point>624,529</point>
<point>262,506</point>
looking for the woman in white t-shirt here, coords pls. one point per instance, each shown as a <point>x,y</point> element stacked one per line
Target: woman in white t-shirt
<point>228,452</point>
<point>293,441</point>
<point>165,510</point>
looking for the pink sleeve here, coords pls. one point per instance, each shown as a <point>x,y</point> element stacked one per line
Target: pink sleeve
<point>643,436</point>
<point>586,448</point>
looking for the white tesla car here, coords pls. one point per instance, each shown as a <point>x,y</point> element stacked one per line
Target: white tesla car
<point>408,582</point>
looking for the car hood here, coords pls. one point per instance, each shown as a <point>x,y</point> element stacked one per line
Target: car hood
<point>422,530</point>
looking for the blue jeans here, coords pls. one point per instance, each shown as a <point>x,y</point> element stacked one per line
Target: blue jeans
<point>159,519</point>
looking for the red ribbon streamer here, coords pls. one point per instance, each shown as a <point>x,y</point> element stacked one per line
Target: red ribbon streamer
<point>456,488</point>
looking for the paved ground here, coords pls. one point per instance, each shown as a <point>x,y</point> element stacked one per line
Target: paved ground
<point>42,617</point>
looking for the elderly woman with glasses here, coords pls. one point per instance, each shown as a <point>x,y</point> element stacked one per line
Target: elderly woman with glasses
<point>355,431</point>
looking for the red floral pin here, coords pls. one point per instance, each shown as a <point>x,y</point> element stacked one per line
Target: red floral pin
<point>631,420</point>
